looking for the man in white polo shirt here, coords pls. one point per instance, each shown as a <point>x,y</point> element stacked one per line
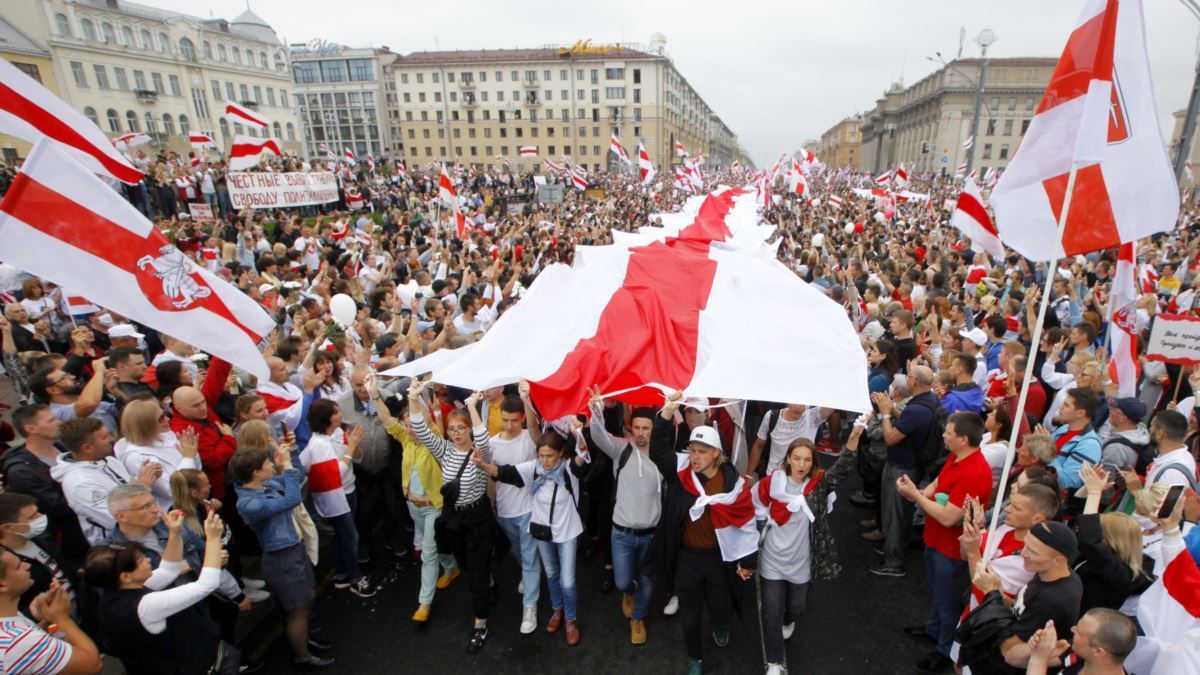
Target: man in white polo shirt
<point>1174,464</point>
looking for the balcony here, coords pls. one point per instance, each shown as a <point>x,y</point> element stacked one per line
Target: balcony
<point>530,84</point>
<point>466,85</point>
<point>532,102</point>
<point>470,102</point>
<point>146,95</point>
<point>252,105</point>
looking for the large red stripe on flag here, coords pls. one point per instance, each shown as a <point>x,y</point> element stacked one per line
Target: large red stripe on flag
<point>74,224</point>
<point>21,107</point>
<point>1181,579</point>
<point>1091,225</point>
<point>650,329</point>
<point>1087,56</point>
<point>968,204</point>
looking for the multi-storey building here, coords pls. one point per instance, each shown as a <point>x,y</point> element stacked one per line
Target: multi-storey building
<point>478,105</point>
<point>927,123</point>
<point>32,59</point>
<point>347,99</point>
<point>841,145</point>
<point>131,67</point>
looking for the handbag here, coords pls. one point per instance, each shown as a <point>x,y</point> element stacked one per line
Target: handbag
<point>541,531</point>
<point>450,491</point>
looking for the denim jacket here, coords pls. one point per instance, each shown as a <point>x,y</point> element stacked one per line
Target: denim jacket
<point>193,545</point>
<point>268,511</point>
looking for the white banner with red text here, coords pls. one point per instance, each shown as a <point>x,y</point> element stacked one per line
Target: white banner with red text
<point>258,190</point>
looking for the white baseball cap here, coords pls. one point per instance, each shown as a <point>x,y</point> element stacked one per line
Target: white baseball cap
<point>695,402</point>
<point>974,335</point>
<point>124,330</point>
<point>707,436</point>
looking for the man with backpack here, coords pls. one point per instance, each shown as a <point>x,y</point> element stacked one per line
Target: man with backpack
<point>777,431</point>
<point>1129,443</point>
<point>908,439</point>
<point>1174,465</point>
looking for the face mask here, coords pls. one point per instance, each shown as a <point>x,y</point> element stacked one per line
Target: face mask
<point>37,527</point>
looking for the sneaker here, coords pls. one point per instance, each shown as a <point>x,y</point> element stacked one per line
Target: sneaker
<point>529,619</point>
<point>695,667</point>
<point>318,645</point>
<point>572,631</point>
<point>364,557</point>
<point>256,594</point>
<point>627,605</point>
<point>720,635</point>
<point>637,631</point>
<point>443,581</point>
<point>362,588</point>
<point>788,629</point>
<point>250,582</point>
<point>478,639</point>
<point>886,570</point>
<point>776,669</point>
<point>672,606</point>
<point>873,535</point>
<point>314,663</point>
<point>397,550</point>
<point>341,583</point>
<point>935,662</point>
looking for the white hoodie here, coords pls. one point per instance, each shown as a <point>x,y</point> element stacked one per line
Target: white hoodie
<point>164,452</point>
<point>86,486</point>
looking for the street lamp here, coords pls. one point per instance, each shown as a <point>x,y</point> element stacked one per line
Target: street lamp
<point>985,39</point>
<point>510,110</point>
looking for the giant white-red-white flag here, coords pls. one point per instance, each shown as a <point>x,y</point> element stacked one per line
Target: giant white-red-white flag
<point>972,219</point>
<point>49,221</point>
<point>1169,614</point>
<point>243,115</point>
<point>30,112</point>
<point>246,151</point>
<point>614,144</point>
<point>1122,312</point>
<point>645,167</point>
<point>449,194</point>
<point>1098,115</point>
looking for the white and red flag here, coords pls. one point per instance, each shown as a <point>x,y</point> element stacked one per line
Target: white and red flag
<point>48,224</point>
<point>646,170</point>
<point>551,166</point>
<point>967,144</point>
<point>834,200</point>
<point>731,513</point>
<point>196,161</point>
<point>614,144</point>
<point>1187,171</point>
<point>1098,116</point>
<point>961,170</point>
<point>971,218</point>
<point>285,403</point>
<point>246,151</point>
<point>30,112</point>
<point>528,151</point>
<point>901,177</point>
<point>242,115</point>
<point>348,156</point>
<point>884,178</point>
<point>1122,312</point>
<point>1169,614</point>
<point>1147,278</point>
<point>77,305</point>
<point>681,179</point>
<point>579,177</point>
<point>202,141</point>
<point>680,151</point>
<point>797,183</point>
<point>323,149</point>
<point>401,169</point>
<point>131,140</point>
<point>736,166</point>
<point>449,194</point>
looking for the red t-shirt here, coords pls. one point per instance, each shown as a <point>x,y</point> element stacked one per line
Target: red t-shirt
<point>959,478</point>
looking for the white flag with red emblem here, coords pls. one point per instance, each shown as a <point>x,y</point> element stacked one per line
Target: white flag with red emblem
<point>614,144</point>
<point>1098,115</point>
<point>1122,312</point>
<point>48,224</point>
<point>645,167</point>
<point>246,151</point>
<point>971,218</point>
<point>30,112</point>
<point>449,194</point>
<point>240,114</point>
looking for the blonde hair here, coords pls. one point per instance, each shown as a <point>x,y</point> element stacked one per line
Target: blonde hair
<point>139,421</point>
<point>1123,535</point>
<point>228,252</point>
<point>254,434</point>
<point>183,481</point>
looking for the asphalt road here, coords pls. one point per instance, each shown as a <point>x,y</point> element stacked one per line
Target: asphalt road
<point>852,624</point>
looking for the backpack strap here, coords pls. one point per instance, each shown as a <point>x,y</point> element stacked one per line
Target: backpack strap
<point>1181,469</point>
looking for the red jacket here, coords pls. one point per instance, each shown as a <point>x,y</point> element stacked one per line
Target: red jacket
<point>215,447</point>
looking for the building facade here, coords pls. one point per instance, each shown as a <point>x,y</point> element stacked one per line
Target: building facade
<point>841,145</point>
<point>927,123</point>
<point>347,99</point>
<point>133,68</point>
<point>32,59</point>
<point>1173,149</point>
<point>477,106</point>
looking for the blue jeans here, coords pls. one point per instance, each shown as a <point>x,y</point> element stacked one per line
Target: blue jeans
<point>629,553</point>
<point>559,561</point>
<point>944,577</point>
<point>525,550</point>
<point>345,543</point>
<point>423,519</point>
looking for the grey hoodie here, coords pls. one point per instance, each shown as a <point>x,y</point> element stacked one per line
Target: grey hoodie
<point>1118,454</point>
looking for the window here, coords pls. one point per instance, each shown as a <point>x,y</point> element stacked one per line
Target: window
<point>270,97</point>
<point>62,25</point>
<point>567,150</point>
<point>78,74</point>
<point>403,78</point>
<point>434,78</point>
<point>244,91</point>
<point>90,113</point>
<point>156,78</point>
<point>425,133</point>
<point>454,97</point>
<point>131,121</point>
<point>520,132</point>
<point>637,75</point>
<point>1024,126</point>
<point>188,50</point>
<point>420,78</point>
<point>291,131</point>
<point>163,42</point>
<point>139,79</point>
<point>262,61</point>
<point>515,76</point>
<point>987,151</point>
<point>407,97</point>
<point>457,133</point>
<point>995,103</point>
<point>637,131</point>
<point>450,77</point>
<point>283,97</point>
<point>1029,102</point>
<point>29,69</point>
<point>548,95</point>
<point>333,71</point>
<point>224,128</point>
<point>637,114</point>
<point>1008,127</point>
<point>168,124</point>
<point>222,53</point>
<point>483,96</point>
<point>114,120</point>
<point>595,96</point>
<point>583,150</point>
<point>428,151</point>
<point>88,28</point>
<point>595,76</point>
<point>583,131</point>
<point>184,129</point>
<point>499,75</point>
<point>614,92</point>
<point>173,80</point>
<point>122,79</point>
<point>200,102</point>
<point>614,73</point>
<point>127,36</point>
<point>278,130</point>
<point>991,128</point>
<point>1012,102</point>
<point>305,72</point>
<point>437,97</point>
<point>235,55</point>
<point>110,36</point>
<point>216,90</point>
<point>1004,151</point>
<point>579,95</point>
<point>147,40</point>
<point>229,91</point>
<point>362,70</point>
<point>257,94</point>
<point>487,132</point>
<point>206,48</point>
<point>637,95</point>
<point>533,132</point>
<point>483,76</point>
<point>101,76</point>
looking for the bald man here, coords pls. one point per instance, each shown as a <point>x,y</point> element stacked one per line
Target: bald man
<point>904,436</point>
<point>286,403</point>
<point>192,408</point>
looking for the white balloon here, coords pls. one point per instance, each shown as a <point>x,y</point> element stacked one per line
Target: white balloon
<point>407,292</point>
<point>818,240</point>
<point>880,218</point>
<point>815,202</point>
<point>849,228</point>
<point>342,307</point>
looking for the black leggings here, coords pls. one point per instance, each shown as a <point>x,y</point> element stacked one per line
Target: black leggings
<point>469,535</point>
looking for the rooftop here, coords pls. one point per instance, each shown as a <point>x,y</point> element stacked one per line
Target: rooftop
<point>13,40</point>
<point>517,55</point>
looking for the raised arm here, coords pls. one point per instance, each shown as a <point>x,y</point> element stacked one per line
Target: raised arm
<point>533,423</point>
<point>608,444</point>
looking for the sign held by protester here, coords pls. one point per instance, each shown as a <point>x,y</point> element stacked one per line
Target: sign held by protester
<point>201,211</point>
<point>257,190</point>
<point>1175,338</point>
<point>550,194</point>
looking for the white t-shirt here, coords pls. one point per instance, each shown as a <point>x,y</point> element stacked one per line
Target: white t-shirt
<point>512,501</point>
<point>787,431</point>
<point>1180,456</point>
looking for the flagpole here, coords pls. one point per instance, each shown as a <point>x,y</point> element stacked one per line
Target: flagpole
<point>993,541</point>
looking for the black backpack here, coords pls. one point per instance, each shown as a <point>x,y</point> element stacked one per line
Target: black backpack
<point>932,453</point>
<point>1146,452</point>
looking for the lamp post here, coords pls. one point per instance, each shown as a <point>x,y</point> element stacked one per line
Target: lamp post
<point>509,111</point>
<point>985,39</point>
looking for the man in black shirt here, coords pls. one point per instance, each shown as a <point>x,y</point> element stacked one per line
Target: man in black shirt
<point>1103,638</point>
<point>901,328</point>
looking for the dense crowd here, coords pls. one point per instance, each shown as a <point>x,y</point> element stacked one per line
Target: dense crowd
<point>153,493</point>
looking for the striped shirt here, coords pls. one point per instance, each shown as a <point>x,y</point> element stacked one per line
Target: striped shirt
<point>25,648</point>
<point>473,485</point>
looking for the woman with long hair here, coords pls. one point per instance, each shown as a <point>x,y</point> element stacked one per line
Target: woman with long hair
<point>1113,568</point>
<point>147,438</point>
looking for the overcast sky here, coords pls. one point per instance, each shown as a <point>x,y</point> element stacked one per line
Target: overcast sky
<point>777,73</point>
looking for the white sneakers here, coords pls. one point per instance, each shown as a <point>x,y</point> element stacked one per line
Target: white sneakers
<point>775,669</point>
<point>255,594</point>
<point>529,619</point>
<point>672,606</point>
<point>788,629</point>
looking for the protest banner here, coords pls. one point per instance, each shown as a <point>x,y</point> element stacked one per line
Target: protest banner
<point>258,190</point>
<point>201,211</point>
<point>1175,338</point>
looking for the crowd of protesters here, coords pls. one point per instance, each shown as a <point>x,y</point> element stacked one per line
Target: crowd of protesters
<point>152,493</point>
